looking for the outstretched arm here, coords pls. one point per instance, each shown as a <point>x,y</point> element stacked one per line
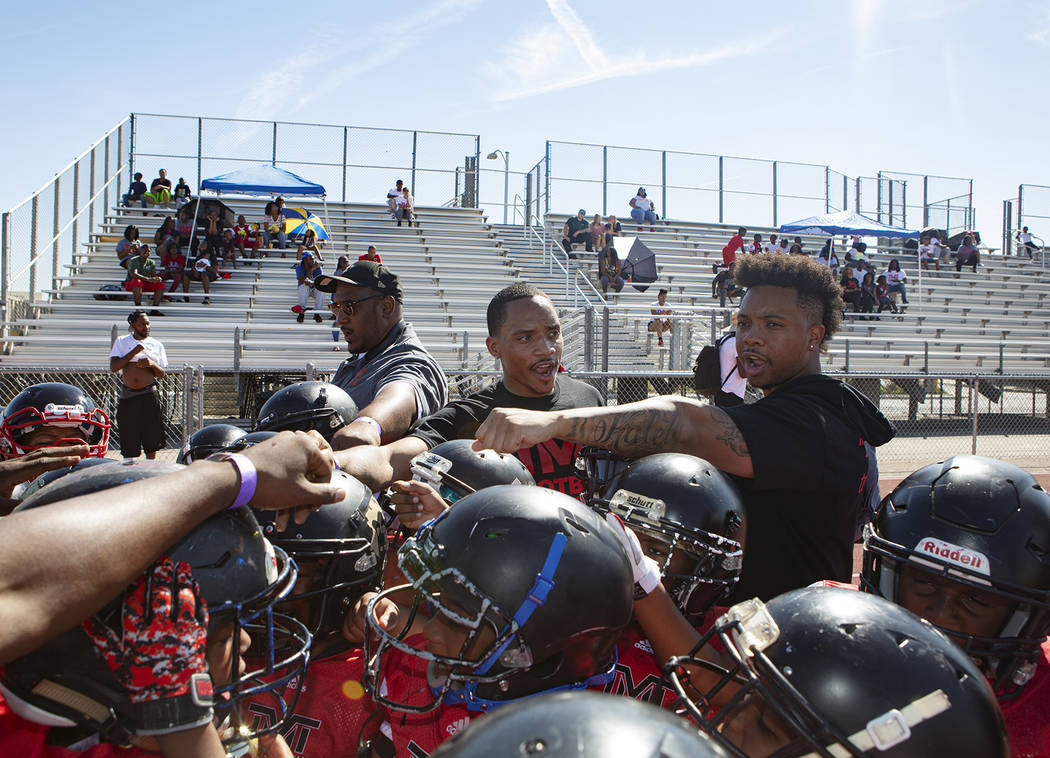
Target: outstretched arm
<point>667,424</point>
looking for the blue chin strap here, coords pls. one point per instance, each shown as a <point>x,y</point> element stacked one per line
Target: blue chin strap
<point>536,597</point>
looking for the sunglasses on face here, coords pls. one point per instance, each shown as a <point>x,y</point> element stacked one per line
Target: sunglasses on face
<point>347,307</point>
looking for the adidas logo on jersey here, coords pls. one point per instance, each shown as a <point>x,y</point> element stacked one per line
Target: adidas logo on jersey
<point>644,645</point>
<point>457,725</point>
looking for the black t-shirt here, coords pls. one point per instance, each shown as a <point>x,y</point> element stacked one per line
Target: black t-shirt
<point>182,190</point>
<point>806,442</point>
<point>577,224</point>
<point>137,189</point>
<point>158,182</point>
<point>552,463</point>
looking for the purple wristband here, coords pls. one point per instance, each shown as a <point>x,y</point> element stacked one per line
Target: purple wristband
<point>373,422</point>
<point>248,479</point>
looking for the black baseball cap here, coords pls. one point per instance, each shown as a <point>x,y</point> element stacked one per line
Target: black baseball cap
<point>374,276</point>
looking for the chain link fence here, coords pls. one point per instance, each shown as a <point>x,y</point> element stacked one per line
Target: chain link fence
<point>936,416</point>
<point>353,163</point>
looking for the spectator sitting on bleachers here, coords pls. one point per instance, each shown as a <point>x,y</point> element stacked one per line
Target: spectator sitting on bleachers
<point>661,312</point>
<point>643,210</point>
<point>127,243</point>
<point>882,295</point>
<point>966,255</point>
<point>784,247</point>
<point>142,275</point>
<point>246,238</point>
<point>857,254</point>
<point>722,286</point>
<point>868,297</point>
<point>136,194</point>
<point>182,193</point>
<point>200,268</point>
<point>736,242</point>
<point>928,253</point>
<point>796,247</point>
<point>213,232</point>
<point>165,233</point>
<point>159,190</point>
<point>771,245</point>
<point>172,264</point>
<point>369,255</point>
<point>228,248</point>
<point>576,231</point>
<point>609,270</point>
<point>391,197</point>
<point>273,228</point>
<point>306,271</point>
<point>597,232</point>
<point>183,227</point>
<point>828,258</point>
<point>309,244</point>
<point>850,288</point>
<point>943,252</point>
<point>612,229</point>
<point>1025,238</point>
<point>406,206</point>
<point>756,245</point>
<point>342,263</point>
<point>897,280</point>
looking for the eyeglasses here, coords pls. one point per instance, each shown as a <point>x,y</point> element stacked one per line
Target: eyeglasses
<point>347,307</point>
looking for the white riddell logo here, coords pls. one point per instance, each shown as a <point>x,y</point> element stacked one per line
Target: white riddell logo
<point>456,725</point>
<point>949,553</point>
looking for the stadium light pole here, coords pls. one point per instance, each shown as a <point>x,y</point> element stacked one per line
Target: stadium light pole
<point>506,177</point>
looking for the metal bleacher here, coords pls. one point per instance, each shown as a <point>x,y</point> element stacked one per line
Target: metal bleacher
<point>450,263</point>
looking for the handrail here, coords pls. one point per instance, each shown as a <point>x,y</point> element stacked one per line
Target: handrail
<point>549,248</point>
<point>68,166</point>
<point>43,248</point>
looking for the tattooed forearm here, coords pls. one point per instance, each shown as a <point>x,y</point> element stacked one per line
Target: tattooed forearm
<point>633,433</point>
<point>726,432</point>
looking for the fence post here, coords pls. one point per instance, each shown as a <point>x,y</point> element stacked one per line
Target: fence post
<point>672,346</point>
<point>310,368</point>
<point>926,356</point>
<point>845,192</point>
<point>605,339</point>
<point>969,208</point>
<point>878,196</point>
<point>237,365</point>
<point>187,402</point>
<point>1001,347</point>
<point>845,367</point>
<point>415,134</point>
<point>54,226</point>
<point>32,246</point>
<point>547,180</point>
<point>605,180</point>
<point>827,189</point>
<point>857,207</point>
<point>1020,201</point>
<point>5,270</point>
<point>904,205</point>
<point>663,182</point>
<point>588,339</point>
<point>721,178</point>
<point>76,208</point>
<point>346,137</point>
<point>925,201</point>
<point>105,186</point>
<point>200,152</point>
<point>131,150</point>
<point>120,188</point>
<point>774,193</point>
<point>91,193</point>
<point>466,344</point>
<point>973,406</point>
<point>1008,212</point>
<point>528,202</point>
<point>273,155</point>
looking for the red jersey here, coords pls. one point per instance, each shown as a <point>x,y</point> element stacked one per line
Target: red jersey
<point>332,709</point>
<point>638,674</point>
<point>26,739</point>
<point>1027,724</point>
<point>367,257</point>
<point>729,251</point>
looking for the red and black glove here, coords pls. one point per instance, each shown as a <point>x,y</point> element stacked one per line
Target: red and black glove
<point>159,655</point>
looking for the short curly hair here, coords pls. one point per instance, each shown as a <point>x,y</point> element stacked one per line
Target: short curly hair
<point>818,292</point>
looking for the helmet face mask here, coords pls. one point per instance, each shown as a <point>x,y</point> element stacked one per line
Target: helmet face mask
<point>970,526</point>
<point>598,467</point>
<point>834,672</point>
<point>208,440</point>
<point>53,404</point>
<point>456,470</point>
<point>513,610</point>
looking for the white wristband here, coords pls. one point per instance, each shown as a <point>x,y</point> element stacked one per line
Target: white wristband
<point>375,424</point>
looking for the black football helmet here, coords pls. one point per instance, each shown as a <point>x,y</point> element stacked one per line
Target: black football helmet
<point>540,581</point>
<point>982,523</point>
<point>341,547</point>
<point>209,439</point>
<point>53,404</point>
<point>26,489</point>
<point>242,576</point>
<point>307,405</point>
<point>835,672</point>
<point>684,506</point>
<point>580,725</point>
<point>455,469</point>
<point>241,444</point>
<point>597,467</point>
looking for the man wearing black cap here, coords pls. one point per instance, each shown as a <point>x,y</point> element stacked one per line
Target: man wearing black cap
<point>575,231</point>
<point>390,375</point>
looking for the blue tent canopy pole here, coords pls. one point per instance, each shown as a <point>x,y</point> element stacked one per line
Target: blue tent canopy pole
<point>264,179</point>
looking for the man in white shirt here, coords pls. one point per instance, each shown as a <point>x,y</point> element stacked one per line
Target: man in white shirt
<point>660,322</point>
<point>141,361</point>
<point>392,195</point>
<point>928,253</point>
<point>1025,238</point>
<point>771,246</point>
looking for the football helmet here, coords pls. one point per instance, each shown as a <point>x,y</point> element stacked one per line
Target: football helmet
<point>580,725</point>
<point>307,405</point>
<point>251,438</point>
<point>982,523</point>
<point>24,490</point>
<point>241,576</point>
<point>538,584</point>
<point>683,506</point>
<point>836,672</point>
<point>455,469</point>
<point>341,548</point>
<point>597,467</point>
<point>53,404</point>
<point>209,439</point>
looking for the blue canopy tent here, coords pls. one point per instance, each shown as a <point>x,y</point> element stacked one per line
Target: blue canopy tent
<point>851,222</point>
<point>263,179</point>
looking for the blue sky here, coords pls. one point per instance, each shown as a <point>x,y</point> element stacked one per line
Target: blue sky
<point>931,86</point>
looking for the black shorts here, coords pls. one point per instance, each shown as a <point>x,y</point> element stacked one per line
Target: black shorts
<point>140,424</point>
<point>196,276</point>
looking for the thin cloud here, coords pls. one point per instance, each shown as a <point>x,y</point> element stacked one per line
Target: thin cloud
<point>539,61</point>
<point>1041,28</point>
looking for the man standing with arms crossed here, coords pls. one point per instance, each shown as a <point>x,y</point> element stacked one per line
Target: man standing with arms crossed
<point>141,359</point>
